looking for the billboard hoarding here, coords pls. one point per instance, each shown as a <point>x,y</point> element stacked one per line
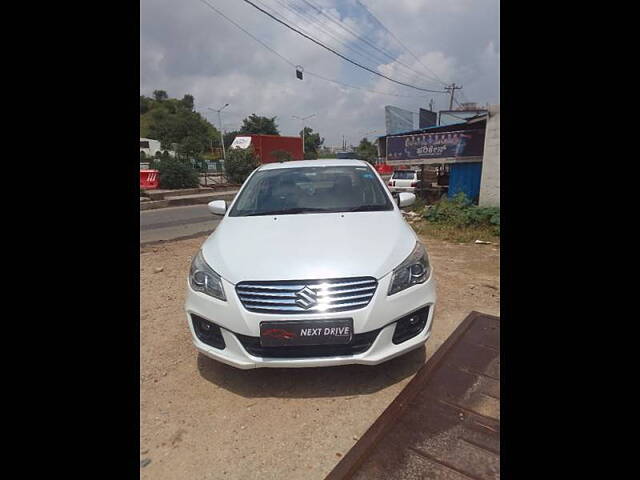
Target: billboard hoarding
<point>397,120</point>
<point>427,118</point>
<point>423,147</point>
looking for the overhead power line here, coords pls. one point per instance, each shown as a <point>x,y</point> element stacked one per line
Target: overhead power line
<point>312,21</point>
<point>338,53</point>
<point>285,59</point>
<point>370,13</point>
<point>322,27</point>
<point>364,89</point>
<point>363,39</point>
<point>249,33</point>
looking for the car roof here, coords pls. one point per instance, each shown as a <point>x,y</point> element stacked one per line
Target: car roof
<point>322,162</point>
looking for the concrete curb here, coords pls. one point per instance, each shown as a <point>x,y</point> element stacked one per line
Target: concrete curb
<point>182,200</point>
<point>159,194</point>
<point>200,198</point>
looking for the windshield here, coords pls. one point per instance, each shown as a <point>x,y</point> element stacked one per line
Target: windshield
<point>403,175</point>
<point>311,190</point>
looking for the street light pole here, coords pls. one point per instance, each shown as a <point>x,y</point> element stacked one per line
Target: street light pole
<point>224,154</point>
<point>302,120</point>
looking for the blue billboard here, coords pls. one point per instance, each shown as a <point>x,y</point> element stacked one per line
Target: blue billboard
<point>462,143</point>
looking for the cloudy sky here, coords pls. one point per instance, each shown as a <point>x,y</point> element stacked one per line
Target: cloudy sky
<point>186,47</point>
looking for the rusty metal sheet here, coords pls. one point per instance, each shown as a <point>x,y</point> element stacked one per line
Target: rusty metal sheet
<point>445,424</point>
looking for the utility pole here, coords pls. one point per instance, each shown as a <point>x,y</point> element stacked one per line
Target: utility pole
<point>303,127</point>
<point>224,155</point>
<point>452,88</point>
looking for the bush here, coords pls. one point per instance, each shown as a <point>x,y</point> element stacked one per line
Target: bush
<point>282,156</point>
<point>240,163</point>
<point>461,213</point>
<point>175,173</point>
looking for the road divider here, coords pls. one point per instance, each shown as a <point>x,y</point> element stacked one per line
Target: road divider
<point>170,199</point>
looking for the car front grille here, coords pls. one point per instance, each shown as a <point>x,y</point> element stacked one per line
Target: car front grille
<point>360,343</point>
<point>307,296</point>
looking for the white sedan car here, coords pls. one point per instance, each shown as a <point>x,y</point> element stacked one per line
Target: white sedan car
<point>312,265</point>
<point>404,181</point>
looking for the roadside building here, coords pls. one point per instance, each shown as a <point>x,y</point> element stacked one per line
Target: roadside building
<point>150,146</point>
<point>464,112</point>
<point>469,151</point>
<point>490,180</point>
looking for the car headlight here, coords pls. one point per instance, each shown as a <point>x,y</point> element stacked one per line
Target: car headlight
<point>415,269</point>
<point>203,279</point>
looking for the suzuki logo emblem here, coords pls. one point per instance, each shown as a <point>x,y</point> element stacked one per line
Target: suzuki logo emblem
<point>306,298</point>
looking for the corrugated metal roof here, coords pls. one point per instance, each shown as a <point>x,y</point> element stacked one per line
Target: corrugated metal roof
<point>443,128</point>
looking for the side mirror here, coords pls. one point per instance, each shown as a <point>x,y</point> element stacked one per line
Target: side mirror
<point>217,207</point>
<point>405,199</point>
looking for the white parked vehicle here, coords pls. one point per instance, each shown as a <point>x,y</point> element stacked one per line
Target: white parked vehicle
<point>404,181</point>
<point>312,265</point>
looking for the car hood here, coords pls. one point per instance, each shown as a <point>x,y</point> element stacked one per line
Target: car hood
<point>309,246</point>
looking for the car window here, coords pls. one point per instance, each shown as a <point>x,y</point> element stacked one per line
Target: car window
<point>311,189</point>
<point>403,175</point>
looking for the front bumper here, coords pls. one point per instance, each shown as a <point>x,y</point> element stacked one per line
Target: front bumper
<point>381,313</point>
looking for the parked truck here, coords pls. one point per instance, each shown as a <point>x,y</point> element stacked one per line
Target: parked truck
<point>270,148</point>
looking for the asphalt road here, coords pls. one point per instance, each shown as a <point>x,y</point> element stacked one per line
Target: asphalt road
<point>176,222</point>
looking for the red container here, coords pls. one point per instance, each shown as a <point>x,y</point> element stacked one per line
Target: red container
<point>265,145</point>
<point>384,169</point>
<point>149,179</point>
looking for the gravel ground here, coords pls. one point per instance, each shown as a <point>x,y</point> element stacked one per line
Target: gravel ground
<point>200,419</point>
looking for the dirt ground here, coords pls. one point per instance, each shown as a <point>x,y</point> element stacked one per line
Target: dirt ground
<point>200,419</point>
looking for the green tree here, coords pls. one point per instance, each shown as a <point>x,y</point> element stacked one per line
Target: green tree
<point>240,163</point>
<point>190,147</point>
<point>188,101</point>
<point>145,104</point>
<point>259,125</point>
<point>172,122</point>
<point>312,143</point>
<point>160,95</point>
<point>367,151</point>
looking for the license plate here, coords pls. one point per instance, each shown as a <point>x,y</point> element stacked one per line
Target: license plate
<point>306,332</point>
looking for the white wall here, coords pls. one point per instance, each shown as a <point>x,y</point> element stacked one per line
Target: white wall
<point>154,146</point>
<point>490,180</point>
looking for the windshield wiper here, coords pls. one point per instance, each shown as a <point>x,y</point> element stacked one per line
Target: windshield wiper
<point>367,208</point>
<point>289,211</point>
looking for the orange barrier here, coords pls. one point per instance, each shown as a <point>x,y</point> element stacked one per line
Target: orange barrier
<point>384,169</point>
<point>149,179</point>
